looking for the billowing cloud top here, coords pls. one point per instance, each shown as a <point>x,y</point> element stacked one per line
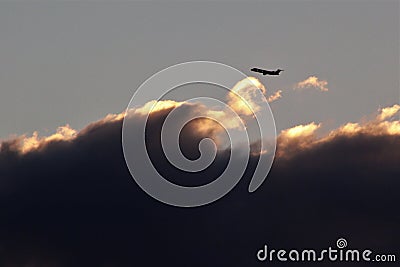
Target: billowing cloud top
<point>294,139</point>
<point>313,82</point>
<point>305,136</point>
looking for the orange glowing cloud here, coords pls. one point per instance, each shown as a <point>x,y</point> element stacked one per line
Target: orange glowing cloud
<point>380,125</point>
<point>301,131</point>
<point>63,133</point>
<point>225,118</point>
<point>297,137</point>
<point>303,137</point>
<point>25,144</point>
<point>245,97</point>
<point>155,106</point>
<point>313,82</point>
<point>388,112</point>
<point>275,96</point>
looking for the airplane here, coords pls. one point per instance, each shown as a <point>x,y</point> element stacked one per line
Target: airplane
<point>265,72</point>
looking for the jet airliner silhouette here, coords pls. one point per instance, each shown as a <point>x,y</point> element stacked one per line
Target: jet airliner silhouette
<point>265,72</point>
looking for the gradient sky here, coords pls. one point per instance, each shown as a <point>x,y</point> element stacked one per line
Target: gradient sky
<point>76,62</point>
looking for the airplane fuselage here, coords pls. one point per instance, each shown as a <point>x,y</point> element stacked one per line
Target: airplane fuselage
<point>265,72</point>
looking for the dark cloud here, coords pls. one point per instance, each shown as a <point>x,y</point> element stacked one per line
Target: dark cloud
<point>74,203</point>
